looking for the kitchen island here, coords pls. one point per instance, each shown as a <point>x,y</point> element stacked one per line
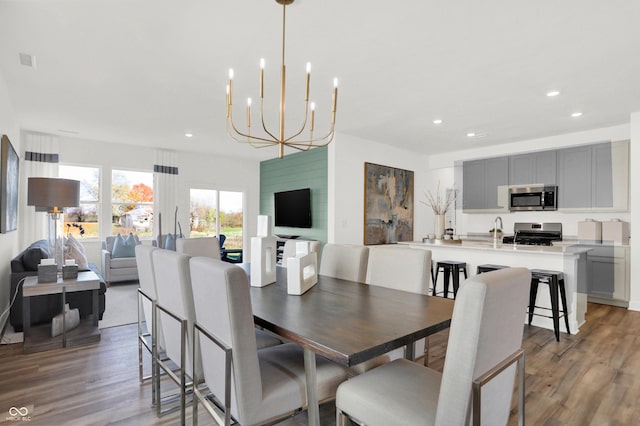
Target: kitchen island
<point>568,258</point>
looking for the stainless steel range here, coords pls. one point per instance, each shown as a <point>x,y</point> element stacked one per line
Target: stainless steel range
<point>535,233</point>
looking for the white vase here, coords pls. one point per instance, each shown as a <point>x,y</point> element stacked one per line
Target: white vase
<point>438,228</point>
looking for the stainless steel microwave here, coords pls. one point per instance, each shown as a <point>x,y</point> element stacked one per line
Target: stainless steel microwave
<point>531,198</point>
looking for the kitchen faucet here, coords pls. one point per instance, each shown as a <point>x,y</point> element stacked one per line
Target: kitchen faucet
<point>495,230</point>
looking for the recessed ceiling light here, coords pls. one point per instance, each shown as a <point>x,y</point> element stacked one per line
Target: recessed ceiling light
<point>553,93</point>
<point>188,135</point>
<point>437,121</point>
<point>470,134</point>
<point>576,114</point>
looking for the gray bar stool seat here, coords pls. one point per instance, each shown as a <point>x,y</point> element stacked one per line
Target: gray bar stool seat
<point>453,268</point>
<point>555,280</point>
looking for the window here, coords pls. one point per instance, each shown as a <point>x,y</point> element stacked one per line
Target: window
<point>82,221</point>
<point>208,220</point>
<point>231,218</point>
<point>131,202</point>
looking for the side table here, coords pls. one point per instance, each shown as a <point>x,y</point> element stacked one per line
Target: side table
<point>38,338</point>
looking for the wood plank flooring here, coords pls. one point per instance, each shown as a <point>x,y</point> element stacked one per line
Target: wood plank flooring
<point>592,378</point>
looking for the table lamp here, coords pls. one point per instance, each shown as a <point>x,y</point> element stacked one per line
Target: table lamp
<point>53,195</point>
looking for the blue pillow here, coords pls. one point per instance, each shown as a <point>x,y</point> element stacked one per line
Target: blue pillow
<point>170,243</point>
<point>124,247</point>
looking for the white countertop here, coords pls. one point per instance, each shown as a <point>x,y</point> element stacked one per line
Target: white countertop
<point>556,249</point>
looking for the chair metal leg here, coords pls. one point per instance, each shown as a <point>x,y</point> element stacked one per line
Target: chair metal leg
<point>553,288</point>
<point>563,297</point>
<point>533,292</point>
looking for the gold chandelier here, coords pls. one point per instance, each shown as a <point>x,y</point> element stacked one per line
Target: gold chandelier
<point>269,138</point>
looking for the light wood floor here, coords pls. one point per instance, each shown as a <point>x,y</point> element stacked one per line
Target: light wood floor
<point>592,378</point>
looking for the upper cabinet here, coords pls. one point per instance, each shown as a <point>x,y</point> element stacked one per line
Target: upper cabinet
<point>533,168</point>
<point>594,177</point>
<point>589,177</point>
<point>484,184</point>
<point>574,177</point>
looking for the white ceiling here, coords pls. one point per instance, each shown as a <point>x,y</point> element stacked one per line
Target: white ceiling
<point>147,71</point>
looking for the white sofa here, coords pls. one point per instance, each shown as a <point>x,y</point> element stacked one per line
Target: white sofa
<point>119,268</point>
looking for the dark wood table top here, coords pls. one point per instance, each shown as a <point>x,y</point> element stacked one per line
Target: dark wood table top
<point>348,322</point>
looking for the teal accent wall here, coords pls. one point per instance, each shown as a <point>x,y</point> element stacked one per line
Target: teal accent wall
<point>306,169</point>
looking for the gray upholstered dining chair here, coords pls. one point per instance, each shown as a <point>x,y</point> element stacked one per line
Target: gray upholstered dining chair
<point>485,341</point>
<point>175,314</point>
<point>252,386</point>
<point>206,246</point>
<point>401,268</point>
<point>147,338</point>
<point>347,262</point>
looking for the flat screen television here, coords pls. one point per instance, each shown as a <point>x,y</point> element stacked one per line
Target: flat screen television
<point>293,208</point>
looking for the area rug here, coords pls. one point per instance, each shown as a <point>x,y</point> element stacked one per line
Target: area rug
<point>121,305</point>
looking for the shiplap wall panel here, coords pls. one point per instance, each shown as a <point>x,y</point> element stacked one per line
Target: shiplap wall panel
<point>297,171</point>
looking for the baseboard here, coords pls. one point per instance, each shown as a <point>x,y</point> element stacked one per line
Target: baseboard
<point>634,305</point>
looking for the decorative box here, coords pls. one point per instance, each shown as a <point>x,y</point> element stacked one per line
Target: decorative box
<point>616,231</point>
<point>590,231</point>
<point>47,273</point>
<point>69,272</point>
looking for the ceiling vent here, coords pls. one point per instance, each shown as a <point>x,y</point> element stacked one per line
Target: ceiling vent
<point>27,60</point>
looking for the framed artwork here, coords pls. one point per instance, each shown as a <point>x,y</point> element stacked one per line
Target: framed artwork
<point>388,204</point>
<point>8,186</point>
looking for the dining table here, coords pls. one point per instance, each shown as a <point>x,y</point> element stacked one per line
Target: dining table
<point>345,321</point>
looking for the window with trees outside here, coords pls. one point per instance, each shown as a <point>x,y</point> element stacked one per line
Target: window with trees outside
<point>82,221</point>
<point>215,213</point>
<point>132,202</point>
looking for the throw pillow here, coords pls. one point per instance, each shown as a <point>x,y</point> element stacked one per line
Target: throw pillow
<point>73,249</point>
<point>170,243</point>
<point>124,247</point>
<point>32,256</point>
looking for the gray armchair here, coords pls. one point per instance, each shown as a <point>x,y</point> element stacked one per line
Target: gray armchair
<point>117,268</point>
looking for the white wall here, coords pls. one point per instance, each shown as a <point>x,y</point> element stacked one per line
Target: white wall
<point>347,156</point>
<point>9,241</point>
<point>634,160</point>
<point>195,170</point>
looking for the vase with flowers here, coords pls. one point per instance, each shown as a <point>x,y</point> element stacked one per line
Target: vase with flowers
<point>440,205</point>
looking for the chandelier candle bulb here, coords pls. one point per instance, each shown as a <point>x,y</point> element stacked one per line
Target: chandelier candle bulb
<point>248,112</point>
<point>261,78</point>
<point>313,116</point>
<point>306,93</point>
<point>335,97</point>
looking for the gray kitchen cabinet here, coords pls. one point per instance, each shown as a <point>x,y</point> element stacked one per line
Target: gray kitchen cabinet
<point>484,182</point>
<point>533,168</point>
<point>608,275</point>
<point>602,177</point>
<point>594,177</point>
<point>473,185</point>
<point>574,177</point>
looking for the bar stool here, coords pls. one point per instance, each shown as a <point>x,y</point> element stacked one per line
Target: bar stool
<point>488,267</point>
<point>453,268</point>
<point>555,280</point>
